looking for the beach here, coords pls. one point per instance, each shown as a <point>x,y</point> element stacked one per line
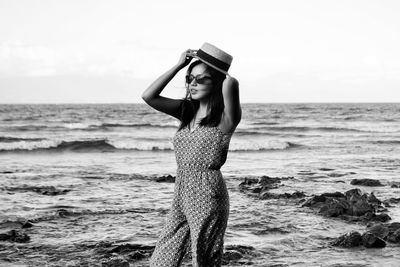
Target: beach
<point>91,184</point>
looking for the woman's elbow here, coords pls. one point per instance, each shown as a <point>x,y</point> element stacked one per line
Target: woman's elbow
<point>146,97</point>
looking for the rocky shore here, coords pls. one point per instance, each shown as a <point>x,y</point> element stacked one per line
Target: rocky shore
<point>353,206</point>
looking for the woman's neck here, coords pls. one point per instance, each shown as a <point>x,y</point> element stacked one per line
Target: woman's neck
<point>203,108</point>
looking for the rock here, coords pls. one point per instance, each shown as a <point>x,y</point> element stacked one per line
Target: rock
<point>394,237</point>
<point>266,180</point>
<point>27,224</point>
<point>335,194</point>
<point>333,207</point>
<point>268,195</point>
<point>249,181</point>
<point>296,194</point>
<point>388,232</point>
<point>137,255</point>
<point>44,190</point>
<point>383,217</point>
<point>366,182</point>
<point>128,251</point>
<point>350,206</point>
<point>232,255</point>
<point>168,178</point>
<point>395,185</point>
<point>394,226</point>
<point>15,236</point>
<point>235,253</point>
<point>315,201</point>
<point>10,224</point>
<point>359,207</point>
<point>380,230</point>
<point>115,262</point>
<point>373,199</point>
<point>259,187</point>
<point>352,239</point>
<point>63,213</point>
<point>129,248</point>
<point>353,193</point>
<point>369,240</point>
<point>269,230</point>
<point>393,200</point>
<point>241,248</point>
<point>326,169</point>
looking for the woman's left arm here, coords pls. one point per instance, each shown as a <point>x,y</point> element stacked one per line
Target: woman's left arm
<point>232,111</point>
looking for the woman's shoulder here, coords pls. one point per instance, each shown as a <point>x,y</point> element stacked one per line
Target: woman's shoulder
<point>229,80</point>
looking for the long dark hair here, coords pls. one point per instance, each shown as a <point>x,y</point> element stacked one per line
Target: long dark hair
<point>215,105</point>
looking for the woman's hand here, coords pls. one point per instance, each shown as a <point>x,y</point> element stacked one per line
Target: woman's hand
<point>185,58</point>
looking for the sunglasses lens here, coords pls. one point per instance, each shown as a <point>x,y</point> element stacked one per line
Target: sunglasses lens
<point>189,78</point>
<point>201,80</point>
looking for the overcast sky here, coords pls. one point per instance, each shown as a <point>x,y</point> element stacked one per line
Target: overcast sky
<point>283,51</point>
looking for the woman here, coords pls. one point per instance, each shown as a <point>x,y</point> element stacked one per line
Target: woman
<point>209,115</point>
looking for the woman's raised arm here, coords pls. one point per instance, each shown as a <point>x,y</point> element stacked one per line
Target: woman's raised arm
<point>152,94</point>
<point>232,111</point>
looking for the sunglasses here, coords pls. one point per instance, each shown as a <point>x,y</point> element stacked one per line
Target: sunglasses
<point>199,79</point>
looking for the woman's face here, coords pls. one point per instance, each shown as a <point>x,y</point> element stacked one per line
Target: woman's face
<point>200,87</point>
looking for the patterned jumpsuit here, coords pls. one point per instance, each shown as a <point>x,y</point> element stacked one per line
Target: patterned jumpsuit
<point>200,207</point>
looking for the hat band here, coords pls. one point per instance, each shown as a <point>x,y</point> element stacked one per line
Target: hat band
<point>212,60</point>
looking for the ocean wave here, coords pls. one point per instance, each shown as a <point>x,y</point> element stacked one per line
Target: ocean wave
<point>134,125</point>
<point>271,146</point>
<point>105,145</point>
<point>102,145</point>
<point>30,127</point>
<point>306,128</point>
<point>265,123</point>
<point>245,132</point>
<point>350,118</point>
<point>387,142</point>
<point>84,126</point>
<point>9,139</point>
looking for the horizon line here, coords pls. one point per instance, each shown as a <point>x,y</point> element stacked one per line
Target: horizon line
<point>128,103</point>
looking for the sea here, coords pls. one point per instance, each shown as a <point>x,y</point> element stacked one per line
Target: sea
<point>104,159</point>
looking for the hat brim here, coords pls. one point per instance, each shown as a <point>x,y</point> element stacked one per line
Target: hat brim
<point>211,65</point>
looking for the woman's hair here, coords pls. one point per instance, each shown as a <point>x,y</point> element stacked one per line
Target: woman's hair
<point>215,105</point>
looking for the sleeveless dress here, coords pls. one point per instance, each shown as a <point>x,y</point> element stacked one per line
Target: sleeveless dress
<point>199,214</point>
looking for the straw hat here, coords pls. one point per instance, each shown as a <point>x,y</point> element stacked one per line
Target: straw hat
<point>214,57</point>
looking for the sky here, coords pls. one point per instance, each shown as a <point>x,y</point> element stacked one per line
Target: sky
<point>96,51</point>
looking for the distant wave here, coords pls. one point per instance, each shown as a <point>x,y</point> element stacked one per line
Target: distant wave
<point>102,145</point>
<point>7,139</point>
<point>304,108</point>
<point>135,125</point>
<point>268,147</point>
<point>23,128</point>
<point>387,142</point>
<point>265,123</point>
<point>246,132</point>
<point>84,126</point>
<point>350,118</point>
<point>305,128</point>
